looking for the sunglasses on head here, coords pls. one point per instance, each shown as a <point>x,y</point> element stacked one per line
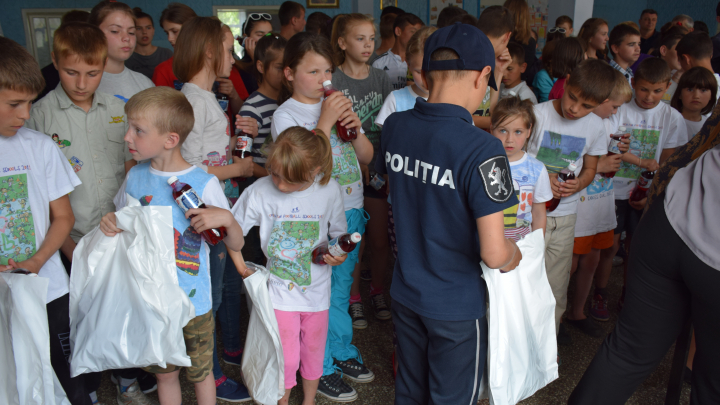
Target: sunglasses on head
<point>256,17</point>
<point>556,29</point>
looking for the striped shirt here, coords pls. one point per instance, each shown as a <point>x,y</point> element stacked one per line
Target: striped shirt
<point>628,73</point>
<point>261,108</point>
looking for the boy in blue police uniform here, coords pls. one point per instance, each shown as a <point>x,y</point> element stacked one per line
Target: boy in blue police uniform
<point>449,183</point>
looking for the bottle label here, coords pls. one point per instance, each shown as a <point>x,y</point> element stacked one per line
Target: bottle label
<point>188,200</point>
<point>644,183</point>
<point>334,248</point>
<point>244,143</point>
<point>223,104</point>
<point>613,147</point>
<point>377,182</point>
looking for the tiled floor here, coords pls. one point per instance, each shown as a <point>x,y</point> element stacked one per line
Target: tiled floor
<point>375,344</point>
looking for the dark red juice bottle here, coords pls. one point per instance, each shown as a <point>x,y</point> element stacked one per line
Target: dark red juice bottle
<point>613,149</point>
<point>243,148</point>
<point>186,198</point>
<point>565,174</point>
<point>643,185</point>
<point>339,246</point>
<point>346,134</point>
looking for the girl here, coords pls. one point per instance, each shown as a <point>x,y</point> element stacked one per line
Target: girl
<point>256,26</point>
<point>523,34</point>
<point>666,51</point>
<point>307,64</point>
<point>594,37</point>
<point>512,123</point>
<point>203,52</point>
<point>566,56</point>
<point>353,41</point>
<point>695,98</point>
<point>117,21</point>
<point>300,185</point>
<point>146,56</point>
<point>544,81</point>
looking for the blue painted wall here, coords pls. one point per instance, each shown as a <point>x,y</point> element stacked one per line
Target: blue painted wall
<point>617,11</point>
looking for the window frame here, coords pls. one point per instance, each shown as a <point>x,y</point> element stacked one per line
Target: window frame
<point>29,13</point>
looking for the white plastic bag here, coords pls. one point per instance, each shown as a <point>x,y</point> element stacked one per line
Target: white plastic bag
<point>126,307</point>
<point>522,347</point>
<point>26,374</point>
<point>263,366</point>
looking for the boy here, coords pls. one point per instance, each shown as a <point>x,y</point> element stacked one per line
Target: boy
<point>464,183</point>
<point>565,23</point>
<point>88,126</point>
<point>160,119</point>
<point>497,23</point>
<point>695,49</point>
<point>667,46</point>
<point>595,225</point>
<point>566,132</point>
<point>512,84</point>
<point>387,36</point>
<point>35,171</point>
<point>393,61</point>
<point>292,19</point>
<point>625,48</point>
<point>656,130</point>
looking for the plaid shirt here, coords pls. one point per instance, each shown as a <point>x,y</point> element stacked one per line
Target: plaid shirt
<point>627,73</point>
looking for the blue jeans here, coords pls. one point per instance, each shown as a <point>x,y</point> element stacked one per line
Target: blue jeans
<point>340,330</point>
<point>218,256</point>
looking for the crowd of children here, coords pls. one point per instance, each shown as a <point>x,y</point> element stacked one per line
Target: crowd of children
<point>105,131</point>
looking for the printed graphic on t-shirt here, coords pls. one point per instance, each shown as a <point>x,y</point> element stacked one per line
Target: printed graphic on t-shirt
<point>557,151</point>
<point>599,188</point>
<point>366,108</point>
<point>345,166</point>
<point>214,158</point>
<point>643,143</point>
<point>62,143</point>
<point>187,251</point>
<point>17,228</point>
<point>520,215</point>
<point>76,163</point>
<point>290,250</point>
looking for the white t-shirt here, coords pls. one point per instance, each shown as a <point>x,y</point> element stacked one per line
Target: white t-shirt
<point>558,141</point>
<point>291,226</point>
<point>693,127</point>
<point>33,173</point>
<point>653,130</point>
<point>521,90</point>
<point>532,186</point>
<point>346,169</point>
<point>390,105</point>
<point>125,84</point>
<point>395,68</point>
<point>209,141</point>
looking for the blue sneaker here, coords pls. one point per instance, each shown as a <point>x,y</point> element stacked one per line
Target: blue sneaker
<point>232,391</point>
<point>235,360</point>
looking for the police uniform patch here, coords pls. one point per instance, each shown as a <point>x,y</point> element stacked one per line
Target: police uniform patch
<point>496,178</point>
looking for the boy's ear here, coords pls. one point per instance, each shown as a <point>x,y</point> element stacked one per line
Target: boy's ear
<point>523,67</point>
<point>172,140</point>
<point>566,81</point>
<point>398,31</point>
<point>614,49</point>
<point>572,30</point>
<point>483,78</point>
<point>667,86</point>
<point>663,50</point>
<point>685,58</point>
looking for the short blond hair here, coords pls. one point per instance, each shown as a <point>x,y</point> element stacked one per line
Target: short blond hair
<point>621,89</point>
<point>167,109</point>
<point>83,40</point>
<point>297,152</point>
<point>18,69</point>
<point>416,44</point>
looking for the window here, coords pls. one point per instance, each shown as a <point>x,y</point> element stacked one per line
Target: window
<point>40,26</point>
<point>234,17</point>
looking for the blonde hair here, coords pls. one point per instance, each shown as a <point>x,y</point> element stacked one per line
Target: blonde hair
<point>521,15</point>
<point>167,109</point>
<point>84,40</point>
<point>297,152</point>
<point>197,36</point>
<point>416,44</point>
<point>341,28</point>
<point>621,89</point>
<point>18,69</point>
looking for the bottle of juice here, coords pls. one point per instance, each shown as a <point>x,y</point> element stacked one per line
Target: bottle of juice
<point>643,185</point>
<point>243,149</point>
<point>186,198</point>
<point>339,246</point>
<point>613,147</point>
<point>346,134</point>
<point>565,174</point>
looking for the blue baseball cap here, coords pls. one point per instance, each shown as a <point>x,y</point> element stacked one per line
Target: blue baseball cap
<point>472,46</point>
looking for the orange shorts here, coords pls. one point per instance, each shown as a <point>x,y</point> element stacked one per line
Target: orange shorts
<point>600,241</point>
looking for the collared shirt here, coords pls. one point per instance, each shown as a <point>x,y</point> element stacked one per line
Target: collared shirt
<point>93,144</point>
<point>628,73</point>
<point>445,173</point>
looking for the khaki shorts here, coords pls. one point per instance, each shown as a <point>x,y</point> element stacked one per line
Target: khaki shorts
<point>198,334</point>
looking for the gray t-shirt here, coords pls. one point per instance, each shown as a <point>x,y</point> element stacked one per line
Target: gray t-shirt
<point>368,96</point>
<point>124,85</point>
<point>691,203</point>
<point>146,64</point>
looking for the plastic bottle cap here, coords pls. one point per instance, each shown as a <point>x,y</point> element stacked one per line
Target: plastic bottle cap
<point>355,237</point>
<point>327,83</point>
<point>172,180</point>
<point>622,129</point>
<point>572,167</point>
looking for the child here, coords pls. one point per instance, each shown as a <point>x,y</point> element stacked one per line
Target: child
<point>171,21</point>
<point>625,48</point>
<point>307,64</point>
<point>667,52</point>
<point>592,250</point>
<point>117,21</point>
<point>387,36</point>
<point>256,26</point>
<point>513,123</point>
<point>657,129</point>
<point>146,56</point>
<point>594,36</point>
<point>43,178</point>
<point>203,52</point>
<point>544,81</point>
<point>393,61</point>
<point>512,84</point>
<point>695,98</point>
<point>565,23</point>
<point>353,40</point>
<point>567,55</point>
<point>567,125</point>
<point>160,121</point>
<point>696,49</point>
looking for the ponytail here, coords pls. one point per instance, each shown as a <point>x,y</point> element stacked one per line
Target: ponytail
<point>297,152</point>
